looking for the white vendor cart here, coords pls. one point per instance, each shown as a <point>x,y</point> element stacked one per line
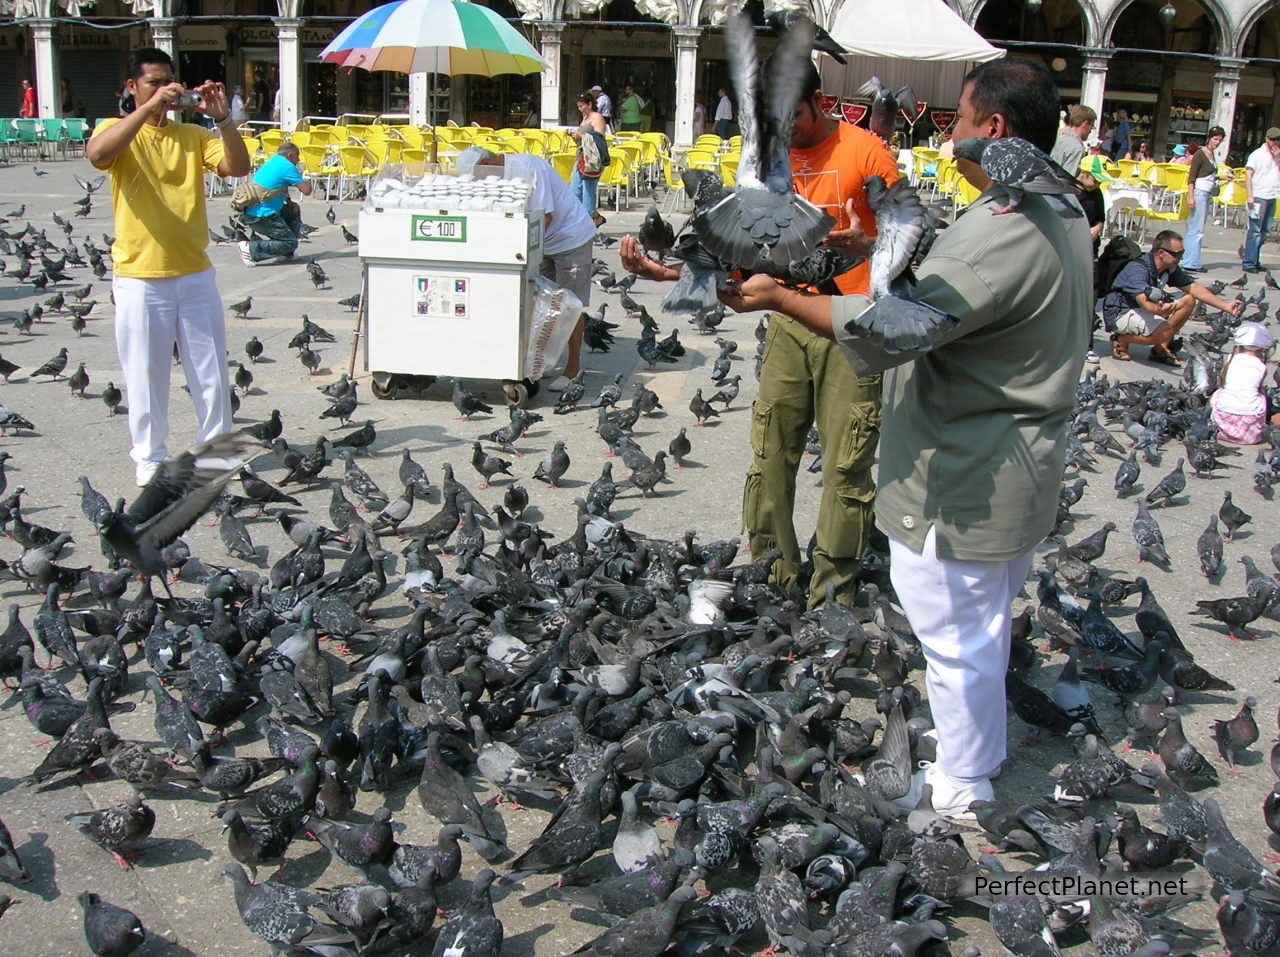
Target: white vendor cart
<point>450,265</point>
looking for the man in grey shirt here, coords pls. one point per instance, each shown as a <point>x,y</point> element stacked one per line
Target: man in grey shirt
<point>1069,149</point>
<point>974,431</point>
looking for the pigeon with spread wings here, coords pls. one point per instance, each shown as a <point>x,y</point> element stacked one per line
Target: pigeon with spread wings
<point>763,219</point>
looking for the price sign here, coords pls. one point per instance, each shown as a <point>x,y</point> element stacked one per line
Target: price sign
<point>853,112</point>
<point>438,229</point>
<point>942,119</point>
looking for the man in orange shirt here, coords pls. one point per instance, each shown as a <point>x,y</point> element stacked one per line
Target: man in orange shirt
<point>805,378</point>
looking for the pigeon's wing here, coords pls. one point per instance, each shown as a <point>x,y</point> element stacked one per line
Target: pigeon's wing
<point>744,70</point>
<point>788,69</point>
<point>902,325</point>
<point>902,221</point>
<point>872,87</point>
<point>184,490</point>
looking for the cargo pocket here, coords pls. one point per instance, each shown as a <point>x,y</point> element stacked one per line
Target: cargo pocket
<point>761,418</point>
<point>860,441</point>
<point>751,490</point>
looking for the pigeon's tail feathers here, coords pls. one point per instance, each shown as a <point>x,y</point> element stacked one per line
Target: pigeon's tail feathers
<point>789,68</point>
<point>872,87</point>
<point>744,72</point>
<point>748,226</point>
<point>902,325</point>
<point>208,463</point>
<point>694,291</point>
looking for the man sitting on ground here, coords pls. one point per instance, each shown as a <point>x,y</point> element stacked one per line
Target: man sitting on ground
<point>275,223</point>
<point>1138,310</point>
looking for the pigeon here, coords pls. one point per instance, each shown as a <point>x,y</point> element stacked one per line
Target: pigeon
<point>885,104</point>
<point>488,465</point>
<point>1017,167</point>
<point>8,368</point>
<point>1236,734</point>
<point>763,219</point>
<point>112,397</point>
<point>1209,550</point>
<point>11,868</point>
<point>241,309</point>
<point>358,845</point>
<point>1168,487</point>
<point>342,407</point>
<point>278,913</point>
<point>472,930</point>
<point>253,349</point>
<point>348,235</point>
<point>1249,924</point>
<point>609,394</point>
<point>395,512</point>
<point>331,216</point>
<point>1146,533</point>
<point>117,828</point>
<point>1233,517</point>
<point>656,234</point>
<point>679,448</point>
<point>359,439</point>
<point>553,467</point>
<point>466,403</point>
<point>1182,761</point>
<point>110,931</point>
<point>1235,613</point>
<point>54,367</point>
<point>79,381</point>
<point>701,408</point>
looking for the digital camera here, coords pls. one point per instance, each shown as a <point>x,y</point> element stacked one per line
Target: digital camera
<point>186,99</point>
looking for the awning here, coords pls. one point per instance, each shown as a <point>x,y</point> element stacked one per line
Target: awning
<point>909,29</point>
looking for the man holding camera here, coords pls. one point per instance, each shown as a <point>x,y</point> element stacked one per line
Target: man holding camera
<point>164,285</point>
<point>276,223</point>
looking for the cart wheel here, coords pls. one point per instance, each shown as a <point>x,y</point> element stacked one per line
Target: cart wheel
<point>383,384</point>
<point>517,392</point>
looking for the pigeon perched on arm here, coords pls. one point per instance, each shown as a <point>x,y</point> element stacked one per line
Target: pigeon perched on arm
<point>1018,167</point>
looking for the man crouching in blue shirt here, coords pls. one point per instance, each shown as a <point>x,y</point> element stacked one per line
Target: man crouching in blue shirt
<point>1138,309</point>
<point>275,225</point>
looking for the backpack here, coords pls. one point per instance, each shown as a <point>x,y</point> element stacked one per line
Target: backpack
<point>593,154</point>
<point>250,193</point>
<point>1115,255</point>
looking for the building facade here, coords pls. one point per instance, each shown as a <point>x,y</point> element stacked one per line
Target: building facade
<point>1175,67</point>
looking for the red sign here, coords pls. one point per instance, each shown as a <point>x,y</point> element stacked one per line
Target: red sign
<point>853,112</point>
<point>827,104</point>
<point>942,119</point>
<point>913,119</point>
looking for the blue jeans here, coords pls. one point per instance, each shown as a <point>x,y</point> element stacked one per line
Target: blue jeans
<point>279,233</point>
<point>584,187</point>
<point>1255,232</point>
<point>1195,230</point>
<point>722,128</point>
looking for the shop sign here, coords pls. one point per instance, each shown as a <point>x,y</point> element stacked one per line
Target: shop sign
<point>257,36</point>
<point>202,38</point>
<point>638,46</point>
<point>86,38</point>
<point>317,36</point>
<point>438,229</point>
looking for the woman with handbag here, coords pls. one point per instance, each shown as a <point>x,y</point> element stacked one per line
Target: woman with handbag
<point>1202,186</point>
<point>586,171</point>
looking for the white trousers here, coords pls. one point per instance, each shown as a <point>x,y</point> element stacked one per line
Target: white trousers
<point>151,315</point>
<point>960,611</point>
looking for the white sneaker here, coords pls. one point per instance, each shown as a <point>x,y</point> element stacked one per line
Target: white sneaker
<point>911,800</point>
<point>559,383</point>
<point>243,246</point>
<point>145,471</point>
<point>951,800</point>
<point>1091,357</point>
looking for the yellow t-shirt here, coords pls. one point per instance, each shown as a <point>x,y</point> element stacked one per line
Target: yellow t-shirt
<point>157,188</point>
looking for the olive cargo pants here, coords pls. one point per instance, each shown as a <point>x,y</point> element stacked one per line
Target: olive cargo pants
<point>806,379</point>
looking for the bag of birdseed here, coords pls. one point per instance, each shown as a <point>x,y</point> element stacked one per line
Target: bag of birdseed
<point>555,314</point>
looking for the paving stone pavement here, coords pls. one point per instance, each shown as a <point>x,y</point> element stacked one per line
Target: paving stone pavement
<point>176,889</point>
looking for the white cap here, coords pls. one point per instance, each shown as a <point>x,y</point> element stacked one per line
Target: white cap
<point>1253,335</point>
<point>597,87</point>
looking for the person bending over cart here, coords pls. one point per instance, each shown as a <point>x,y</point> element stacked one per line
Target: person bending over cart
<point>567,232</point>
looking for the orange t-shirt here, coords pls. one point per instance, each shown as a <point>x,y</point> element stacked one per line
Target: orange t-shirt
<point>831,173</point>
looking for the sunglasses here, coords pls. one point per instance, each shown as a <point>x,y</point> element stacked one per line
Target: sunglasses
<point>1170,252</point>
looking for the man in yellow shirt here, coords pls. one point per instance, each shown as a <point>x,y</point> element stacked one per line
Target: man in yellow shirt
<point>164,285</point>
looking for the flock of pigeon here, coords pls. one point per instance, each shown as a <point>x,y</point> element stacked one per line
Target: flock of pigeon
<point>721,769</point>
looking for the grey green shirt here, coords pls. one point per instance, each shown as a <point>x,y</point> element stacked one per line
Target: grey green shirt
<point>973,439</point>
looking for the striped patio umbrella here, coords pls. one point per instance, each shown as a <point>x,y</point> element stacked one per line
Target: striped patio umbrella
<point>452,37</point>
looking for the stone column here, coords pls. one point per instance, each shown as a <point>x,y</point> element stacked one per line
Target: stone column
<point>290,71</point>
<point>1222,108</point>
<point>686,83</point>
<point>47,82</point>
<point>1093,81</point>
<point>164,36</point>
<point>551,40</point>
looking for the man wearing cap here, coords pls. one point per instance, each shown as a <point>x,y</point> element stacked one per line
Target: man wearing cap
<point>1092,175</point>
<point>1239,406</point>
<point>1261,189</point>
<point>604,106</point>
<point>1202,178</point>
<point>1139,309</point>
<point>1069,149</point>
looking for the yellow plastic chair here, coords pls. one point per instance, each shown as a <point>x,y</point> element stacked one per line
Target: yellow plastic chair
<point>323,137</point>
<point>355,166</point>
<point>563,164</point>
<point>410,136</point>
<point>1231,200</point>
<point>270,141</point>
<point>965,194</point>
<point>701,159</point>
<point>253,148</point>
<point>1175,215</point>
<point>1175,180</point>
<point>617,177</point>
<point>300,138</point>
<point>708,141</point>
<point>318,167</point>
<point>1128,169</point>
<point>729,168</point>
<point>675,197</point>
<point>414,160</point>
